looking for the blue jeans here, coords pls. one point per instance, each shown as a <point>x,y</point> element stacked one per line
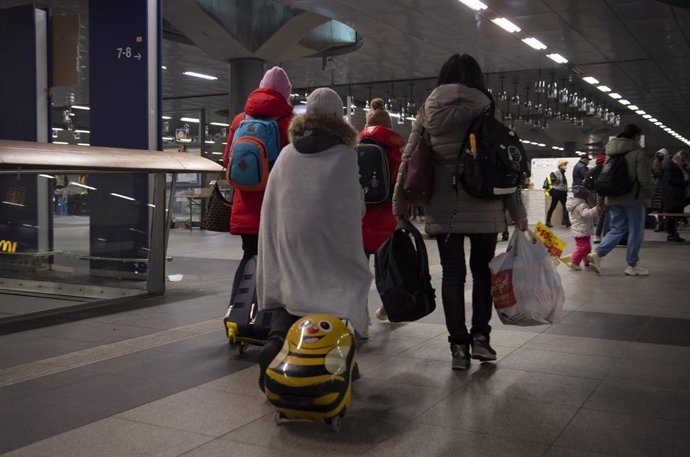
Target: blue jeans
<point>625,218</point>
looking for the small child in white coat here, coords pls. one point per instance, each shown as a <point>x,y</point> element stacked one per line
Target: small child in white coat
<point>583,219</point>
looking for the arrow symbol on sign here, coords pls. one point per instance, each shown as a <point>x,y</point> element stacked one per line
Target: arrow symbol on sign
<point>138,56</point>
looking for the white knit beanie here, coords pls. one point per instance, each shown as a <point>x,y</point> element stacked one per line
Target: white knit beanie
<point>325,102</point>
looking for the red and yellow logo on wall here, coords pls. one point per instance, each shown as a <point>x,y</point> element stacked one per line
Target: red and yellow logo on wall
<point>8,246</point>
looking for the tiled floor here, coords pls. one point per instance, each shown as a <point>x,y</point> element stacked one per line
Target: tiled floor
<point>611,379</point>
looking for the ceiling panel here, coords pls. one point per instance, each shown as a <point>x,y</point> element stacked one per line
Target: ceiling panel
<point>638,47</point>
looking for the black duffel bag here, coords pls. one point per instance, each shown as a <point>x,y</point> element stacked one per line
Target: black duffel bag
<point>402,276</point>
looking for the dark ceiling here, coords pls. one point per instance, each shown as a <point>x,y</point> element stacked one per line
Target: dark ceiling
<point>639,48</point>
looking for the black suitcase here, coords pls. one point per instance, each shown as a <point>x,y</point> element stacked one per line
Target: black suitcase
<point>244,323</point>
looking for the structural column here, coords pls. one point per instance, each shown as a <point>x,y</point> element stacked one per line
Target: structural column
<point>245,75</point>
<point>125,100</point>
<point>25,200</point>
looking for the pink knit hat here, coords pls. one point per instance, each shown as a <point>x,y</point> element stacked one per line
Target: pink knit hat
<point>277,79</point>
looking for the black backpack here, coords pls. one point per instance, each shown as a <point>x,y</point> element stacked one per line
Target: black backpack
<point>492,162</point>
<point>402,276</point>
<point>374,172</point>
<point>614,180</point>
<point>590,180</point>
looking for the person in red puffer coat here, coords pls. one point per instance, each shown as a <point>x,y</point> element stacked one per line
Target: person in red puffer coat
<point>270,100</point>
<point>379,222</point>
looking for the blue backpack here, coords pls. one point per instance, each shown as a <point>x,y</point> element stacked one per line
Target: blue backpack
<point>253,151</point>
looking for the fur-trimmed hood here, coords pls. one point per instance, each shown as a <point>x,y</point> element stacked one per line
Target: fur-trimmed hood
<point>329,128</point>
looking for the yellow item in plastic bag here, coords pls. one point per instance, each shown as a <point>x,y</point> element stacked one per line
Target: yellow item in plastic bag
<point>553,244</point>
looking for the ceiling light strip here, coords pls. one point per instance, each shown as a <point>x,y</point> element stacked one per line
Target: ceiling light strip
<point>506,25</point>
<point>200,75</point>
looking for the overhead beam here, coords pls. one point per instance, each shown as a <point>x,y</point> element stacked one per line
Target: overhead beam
<point>284,43</point>
<point>189,18</point>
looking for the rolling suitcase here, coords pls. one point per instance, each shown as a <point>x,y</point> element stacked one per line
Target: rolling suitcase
<point>244,323</point>
<point>311,377</point>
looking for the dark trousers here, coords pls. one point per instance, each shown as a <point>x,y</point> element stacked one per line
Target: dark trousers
<point>556,197</point>
<point>603,224</point>
<point>281,321</point>
<point>482,249</point>
<point>250,248</point>
<point>671,222</point>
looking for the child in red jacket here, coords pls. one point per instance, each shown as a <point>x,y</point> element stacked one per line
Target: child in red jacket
<point>379,223</point>
<point>270,100</point>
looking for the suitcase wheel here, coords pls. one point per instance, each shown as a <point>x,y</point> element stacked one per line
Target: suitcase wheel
<point>242,348</point>
<point>280,418</point>
<point>336,422</point>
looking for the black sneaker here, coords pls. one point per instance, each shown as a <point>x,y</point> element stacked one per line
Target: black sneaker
<point>549,225</point>
<point>481,349</point>
<point>461,356</point>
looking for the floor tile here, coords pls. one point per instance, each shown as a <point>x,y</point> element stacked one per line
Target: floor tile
<point>567,452</point>
<point>92,332</point>
<point>669,355</point>
<point>578,345</point>
<point>511,338</point>
<point>529,385</point>
<point>642,401</point>
<point>114,437</point>
<point>42,384</point>
<point>663,330</point>
<point>226,448</point>
<point>22,348</point>
<point>74,405</point>
<point>372,398</point>
<point>653,373</point>
<point>359,433</point>
<point>622,435</point>
<point>501,416</point>
<point>422,439</point>
<point>580,365</point>
<point>420,372</point>
<point>203,411</point>
<point>244,382</point>
<point>390,344</point>
<point>601,325</point>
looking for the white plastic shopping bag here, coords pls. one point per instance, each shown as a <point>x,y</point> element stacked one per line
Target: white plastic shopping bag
<point>525,285</point>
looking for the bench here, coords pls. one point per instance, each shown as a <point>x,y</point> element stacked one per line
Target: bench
<point>671,214</point>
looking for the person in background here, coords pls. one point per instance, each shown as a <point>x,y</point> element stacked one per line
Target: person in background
<point>446,115</point>
<point>556,186</point>
<point>658,195</point>
<point>602,222</point>
<point>627,211</point>
<point>310,240</point>
<point>379,223</point>
<point>675,185</point>
<point>582,217</point>
<point>270,100</point>
<point>580,170</point>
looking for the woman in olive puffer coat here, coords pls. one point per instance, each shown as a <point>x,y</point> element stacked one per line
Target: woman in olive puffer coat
<point>447,113</point>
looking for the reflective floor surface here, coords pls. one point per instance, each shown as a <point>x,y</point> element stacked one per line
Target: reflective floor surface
<point>611,379</point>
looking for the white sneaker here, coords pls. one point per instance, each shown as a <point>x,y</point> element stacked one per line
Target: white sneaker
<point>596,239</point>
<point>381,314</point>
<point>594,262</point>
<point>636,271</point>
<point>574,266</point>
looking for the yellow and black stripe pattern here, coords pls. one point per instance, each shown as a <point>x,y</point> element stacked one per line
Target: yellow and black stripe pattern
<point>311,376</point>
